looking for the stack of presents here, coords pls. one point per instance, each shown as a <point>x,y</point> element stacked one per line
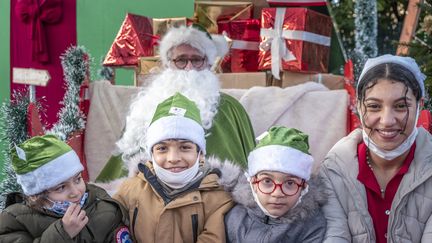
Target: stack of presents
<point>288,42</point>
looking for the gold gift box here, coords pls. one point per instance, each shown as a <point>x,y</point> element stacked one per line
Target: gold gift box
<point>243,80</point>
<point>208,13</point>
<point>147,66</point>
<point>160,26</point>
<point>329,80</point>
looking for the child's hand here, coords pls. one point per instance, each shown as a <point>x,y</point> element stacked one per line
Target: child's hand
<point>74,220</point>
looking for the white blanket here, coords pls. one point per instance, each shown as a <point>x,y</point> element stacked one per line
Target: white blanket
<point>309,107</point>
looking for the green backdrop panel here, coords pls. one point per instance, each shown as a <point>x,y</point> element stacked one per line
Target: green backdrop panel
<point>4,62</point>
<point>98,22</point>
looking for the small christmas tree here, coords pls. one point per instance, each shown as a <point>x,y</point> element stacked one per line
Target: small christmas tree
<point>365,32</point>
<point>13,127</point>
<point>75,62</point>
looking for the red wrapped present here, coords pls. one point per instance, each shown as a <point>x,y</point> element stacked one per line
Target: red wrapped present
<point>209,13</point>
<point>294,39</point>
<point>296,3</point>
<point>245,36</point>
<point>134,39</point>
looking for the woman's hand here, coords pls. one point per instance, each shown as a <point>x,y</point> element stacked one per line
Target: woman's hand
<point>74,220</point>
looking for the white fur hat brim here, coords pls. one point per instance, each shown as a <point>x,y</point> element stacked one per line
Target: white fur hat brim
<point>175,127</point>
<point>281,159</point>
<point>211,48</point>
<point>50,174</point>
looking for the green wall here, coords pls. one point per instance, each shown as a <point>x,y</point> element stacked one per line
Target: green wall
<point>98,22</point>
<point>4,61</point>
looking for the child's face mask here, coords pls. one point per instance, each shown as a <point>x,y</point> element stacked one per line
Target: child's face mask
<point>60,207</point>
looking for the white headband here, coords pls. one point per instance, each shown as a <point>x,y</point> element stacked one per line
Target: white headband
<point>407,62</point>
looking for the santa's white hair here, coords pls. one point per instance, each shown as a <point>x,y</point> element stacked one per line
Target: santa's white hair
<point>202,87</point>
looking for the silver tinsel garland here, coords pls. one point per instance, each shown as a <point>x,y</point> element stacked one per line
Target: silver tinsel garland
<point>13,128</point>
<point>75,63</point>
<point>366,31</point>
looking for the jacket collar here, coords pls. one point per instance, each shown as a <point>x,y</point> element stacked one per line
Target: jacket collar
<point>340,158</point>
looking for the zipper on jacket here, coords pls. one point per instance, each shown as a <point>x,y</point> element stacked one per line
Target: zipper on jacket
<point>135,214</point>
<point>194,218</point>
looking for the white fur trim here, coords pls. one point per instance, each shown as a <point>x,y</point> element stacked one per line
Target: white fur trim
<point>195,38</point>
<point>175,127</point>
<point>282,159</point>
<point>50,174</point>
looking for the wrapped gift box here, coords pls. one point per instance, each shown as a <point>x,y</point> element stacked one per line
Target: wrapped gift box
<point>294,39</point>
<point>245,37</point>
<point>134,39</point>
<point>160,26</point>
<point>243,80</point>
<point>208,13</point>
<point>331,81</point>
<point>296,3</point>
<point>147,66</point>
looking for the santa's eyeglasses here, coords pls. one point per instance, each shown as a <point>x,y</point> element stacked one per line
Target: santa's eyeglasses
<point>268,186</point>
<point>182,62</point>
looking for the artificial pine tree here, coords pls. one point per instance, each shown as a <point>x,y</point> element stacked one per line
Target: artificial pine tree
<point>13,128</point>
<point>75,63</point>
<point>365,32</point>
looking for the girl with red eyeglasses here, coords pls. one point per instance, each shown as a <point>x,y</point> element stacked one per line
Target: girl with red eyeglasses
<point>278,200</point>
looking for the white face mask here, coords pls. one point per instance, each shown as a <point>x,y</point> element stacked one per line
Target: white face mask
<point>176,180</point>
<point>392,154</point>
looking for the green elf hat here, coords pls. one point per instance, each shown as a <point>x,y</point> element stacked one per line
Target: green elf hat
<point>284,150</point>
<point>43,162</point>
<point>176,118</point>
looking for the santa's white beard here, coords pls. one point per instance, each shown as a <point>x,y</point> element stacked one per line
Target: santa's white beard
<point>202,87</point>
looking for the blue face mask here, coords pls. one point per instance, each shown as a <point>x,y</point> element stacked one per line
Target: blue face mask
<point>60,207</point>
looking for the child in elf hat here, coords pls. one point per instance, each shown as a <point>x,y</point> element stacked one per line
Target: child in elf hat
<point>57,205</point>
<point>176,196</point>
<point>278,200</point>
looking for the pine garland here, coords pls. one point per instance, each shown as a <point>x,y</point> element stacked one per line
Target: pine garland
<point>75,63</point>
<point>366,27</point>
<point>13,130</point>
<point>105,73</point>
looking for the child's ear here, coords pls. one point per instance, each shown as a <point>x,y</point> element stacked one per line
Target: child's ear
<point>201,157</point>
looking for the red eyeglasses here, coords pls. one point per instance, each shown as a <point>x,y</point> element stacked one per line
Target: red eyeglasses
<point>268,186</point>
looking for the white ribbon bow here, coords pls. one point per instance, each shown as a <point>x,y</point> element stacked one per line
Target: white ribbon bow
<point>275,41</point>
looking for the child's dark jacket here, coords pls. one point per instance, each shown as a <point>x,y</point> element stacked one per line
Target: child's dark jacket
<point>246,222</point>
<point>107,222</point>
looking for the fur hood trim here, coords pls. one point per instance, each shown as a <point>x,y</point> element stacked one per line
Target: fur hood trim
<point>230,172</point>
